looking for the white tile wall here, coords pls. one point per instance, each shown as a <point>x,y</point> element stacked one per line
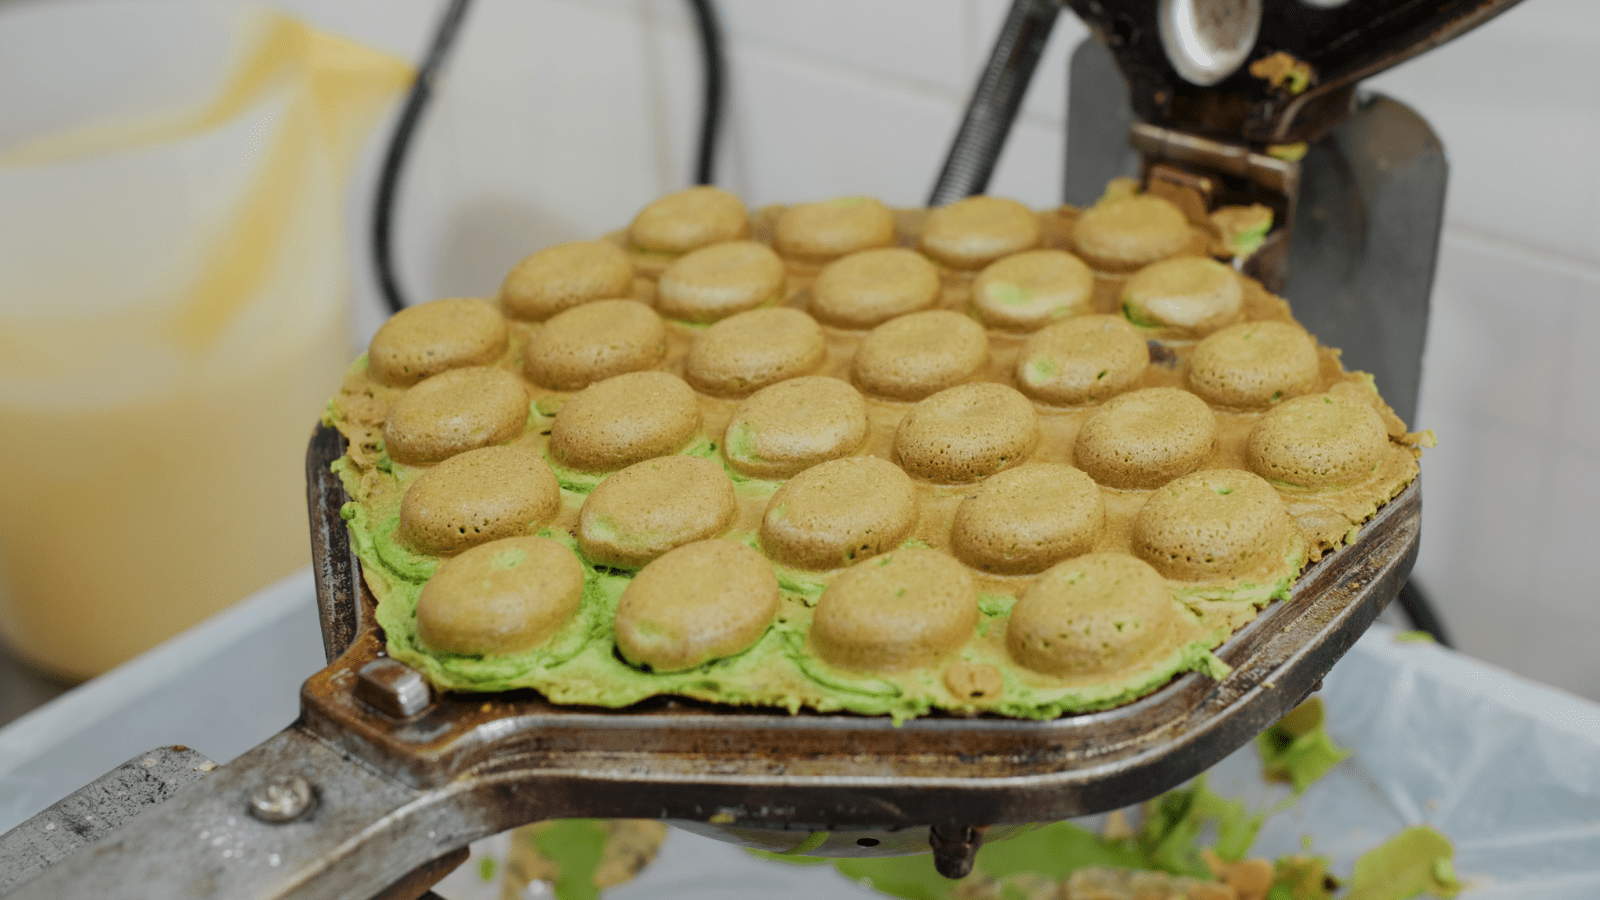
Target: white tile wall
<point>818,132</point>
<point>911,43</point>
<point>560,118</point>
<point>1518,105</point>
<point>1511,491</point>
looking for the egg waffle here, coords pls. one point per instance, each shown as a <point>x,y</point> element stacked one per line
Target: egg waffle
<point>892,441</point>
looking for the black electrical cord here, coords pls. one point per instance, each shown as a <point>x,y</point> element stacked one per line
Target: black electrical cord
<point>705,19</point>
<point>444,36</point>
<point>710,31</point>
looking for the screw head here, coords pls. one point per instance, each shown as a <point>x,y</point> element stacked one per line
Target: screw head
<point>283,798</point>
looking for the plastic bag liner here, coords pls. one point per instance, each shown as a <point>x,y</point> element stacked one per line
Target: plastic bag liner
<point>173,307</point>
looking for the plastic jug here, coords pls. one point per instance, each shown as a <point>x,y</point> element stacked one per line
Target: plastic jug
<point>173,308</point>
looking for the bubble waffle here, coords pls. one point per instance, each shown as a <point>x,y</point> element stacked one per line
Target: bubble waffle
<point>1032,522</point>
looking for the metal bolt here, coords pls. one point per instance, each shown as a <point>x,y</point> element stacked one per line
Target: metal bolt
<point>954,849</point>
<point>394,688</point>
<point>283,799</point>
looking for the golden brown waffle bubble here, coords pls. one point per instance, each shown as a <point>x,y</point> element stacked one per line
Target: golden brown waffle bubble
<point>566,275</point>
<point>624,420</point>
<point>501,597</point>
<point>920,354</point>
<point>1212,526</point>
<point>650,507</point>
<point>794,425</point>
<point>455,411</point>
<point>429,338</point>
<point>971,233</point>
<point>717,281</point>
<point>1252,365</point>
<point>869,288</point>
<point>902,610</point>
<point>1189,296</point>
<point>816,232</point>
<point>1146,438</point>
<point>593,342</point>
<point>700,602</point>
<point>1318,441</point>
<point>1082,360</point>
<point>689,219</point>
<point>748,351</point>
<point>967,432</point>
<point>477,496</point>
<point>1092,615</point>
<point>1026,291</point>
<point>839,511</point>
<point>1026,519</point>
<point>1124,234</point>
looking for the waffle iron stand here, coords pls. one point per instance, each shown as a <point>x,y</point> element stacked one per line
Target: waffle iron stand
<point>378,787</point>
<point>1180,94</point>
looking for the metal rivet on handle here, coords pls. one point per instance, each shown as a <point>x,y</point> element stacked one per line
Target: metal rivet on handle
<point>394,688</point>
<point>283,799</point>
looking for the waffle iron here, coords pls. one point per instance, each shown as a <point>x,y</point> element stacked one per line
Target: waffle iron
<point>379,777</point>
<point>379,785</point>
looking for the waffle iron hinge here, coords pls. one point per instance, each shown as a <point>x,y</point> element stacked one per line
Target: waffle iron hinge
<point>1199,173</point>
